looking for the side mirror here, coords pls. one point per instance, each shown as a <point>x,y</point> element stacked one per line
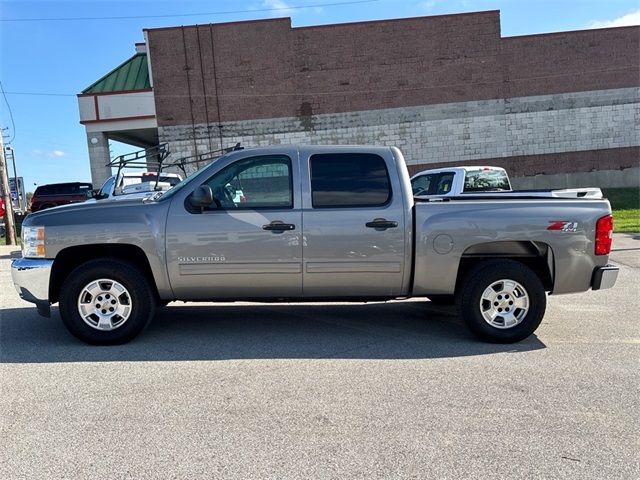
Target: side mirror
<point>201,197</point>
<point>91,193</point>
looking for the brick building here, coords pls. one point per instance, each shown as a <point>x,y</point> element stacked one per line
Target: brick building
<point>557,109</point>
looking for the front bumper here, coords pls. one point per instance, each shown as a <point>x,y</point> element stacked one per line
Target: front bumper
<point>31,278</point>
<point>604,277</point>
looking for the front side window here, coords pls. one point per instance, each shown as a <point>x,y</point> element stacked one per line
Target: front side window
<point>253,183</point>
<point>349,180</point>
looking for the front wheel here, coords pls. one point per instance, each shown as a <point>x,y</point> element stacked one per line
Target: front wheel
<point>106,302</point>
<point>502,301</point>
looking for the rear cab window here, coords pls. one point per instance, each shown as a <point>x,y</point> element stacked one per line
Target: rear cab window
<point>486,180</point>
<point>347,180</point>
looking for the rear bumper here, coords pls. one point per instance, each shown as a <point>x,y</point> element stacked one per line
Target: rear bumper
<point>31,279</point>
<point>604,277</point>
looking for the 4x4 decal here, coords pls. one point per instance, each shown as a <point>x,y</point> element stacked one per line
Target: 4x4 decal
<point>563,226</point>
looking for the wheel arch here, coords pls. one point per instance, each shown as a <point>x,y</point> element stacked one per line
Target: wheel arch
<point>70,258</point>
<point>538,256</point>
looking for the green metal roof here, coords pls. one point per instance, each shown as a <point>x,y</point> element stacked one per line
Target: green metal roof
<point>130,75</point>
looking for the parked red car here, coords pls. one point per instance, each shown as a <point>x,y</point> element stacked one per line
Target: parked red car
<point>55,194</point>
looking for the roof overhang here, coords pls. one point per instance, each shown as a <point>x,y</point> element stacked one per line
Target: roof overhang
<point>106,108</point>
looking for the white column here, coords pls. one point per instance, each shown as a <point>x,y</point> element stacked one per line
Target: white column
<point>99,156</point>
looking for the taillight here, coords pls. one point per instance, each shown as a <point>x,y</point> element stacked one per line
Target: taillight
<point>604,235</point>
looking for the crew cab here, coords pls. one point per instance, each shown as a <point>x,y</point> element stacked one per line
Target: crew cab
<point>318,223</point>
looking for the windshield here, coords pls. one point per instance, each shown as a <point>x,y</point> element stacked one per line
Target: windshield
<point>486,180</point>
<point>105,190</point>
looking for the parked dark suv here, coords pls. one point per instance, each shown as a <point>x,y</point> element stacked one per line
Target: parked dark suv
<point>55,194</point>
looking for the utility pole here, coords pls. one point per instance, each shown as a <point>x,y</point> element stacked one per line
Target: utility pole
<point>9,219</point>
<point>15,176</point>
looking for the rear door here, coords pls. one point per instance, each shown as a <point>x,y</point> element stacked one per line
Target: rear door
<point>354,225</point>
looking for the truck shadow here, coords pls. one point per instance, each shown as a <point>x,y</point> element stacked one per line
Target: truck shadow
<point>397,330</point>
<point>9,255</point>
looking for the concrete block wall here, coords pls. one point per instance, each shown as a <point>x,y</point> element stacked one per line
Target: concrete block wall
<point>623,178</point>
<point>449,133</point>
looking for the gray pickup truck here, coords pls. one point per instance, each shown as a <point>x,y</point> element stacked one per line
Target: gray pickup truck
<point>315,223</point>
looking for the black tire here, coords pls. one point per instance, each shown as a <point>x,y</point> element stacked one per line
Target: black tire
<point>443,300</point>
<point>487,274</point>
<point>142,301</point>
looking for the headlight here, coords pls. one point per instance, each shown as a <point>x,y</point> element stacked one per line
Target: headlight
<point>33,242</point>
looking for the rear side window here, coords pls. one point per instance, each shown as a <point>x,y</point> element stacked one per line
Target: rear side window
<point>486,180</point>
<point>445,183</point>
<point>349,180</point>
<point>423,184</point>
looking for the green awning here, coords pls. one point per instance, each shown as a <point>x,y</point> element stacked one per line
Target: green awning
<point>131,75</point>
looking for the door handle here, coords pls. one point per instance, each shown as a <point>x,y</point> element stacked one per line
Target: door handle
<point>279,227</point>
<point>381,224</point>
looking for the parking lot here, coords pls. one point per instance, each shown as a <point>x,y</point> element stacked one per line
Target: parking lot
<point>380,390</point>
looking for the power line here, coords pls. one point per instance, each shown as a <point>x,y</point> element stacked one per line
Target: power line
<point>226,12</point>
<point>13,125</point>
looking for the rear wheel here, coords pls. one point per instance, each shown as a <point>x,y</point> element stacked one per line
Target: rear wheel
<point>502,301</point>
<point>106,302</point>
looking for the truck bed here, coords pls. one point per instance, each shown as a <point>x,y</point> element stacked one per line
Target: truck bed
<point>454,227</point>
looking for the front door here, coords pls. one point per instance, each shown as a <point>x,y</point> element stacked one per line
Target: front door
<point>247,243</point>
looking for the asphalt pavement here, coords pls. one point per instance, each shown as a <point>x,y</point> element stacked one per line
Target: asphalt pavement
<point>365,391</point>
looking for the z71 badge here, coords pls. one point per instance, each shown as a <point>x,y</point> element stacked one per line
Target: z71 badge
<point>563,226</point>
